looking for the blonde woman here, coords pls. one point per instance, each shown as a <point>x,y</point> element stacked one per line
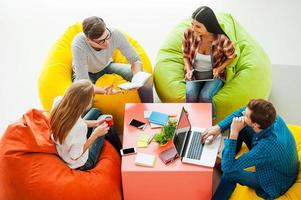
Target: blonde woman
<point>79,140</point>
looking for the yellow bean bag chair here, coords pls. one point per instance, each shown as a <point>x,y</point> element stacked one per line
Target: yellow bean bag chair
<point>55,76</point>
<point>294,193</point>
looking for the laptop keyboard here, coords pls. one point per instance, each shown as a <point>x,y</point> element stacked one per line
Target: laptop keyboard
<point>196,147</point>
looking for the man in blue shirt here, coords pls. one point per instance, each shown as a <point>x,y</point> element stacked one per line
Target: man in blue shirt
<point>272,150</point>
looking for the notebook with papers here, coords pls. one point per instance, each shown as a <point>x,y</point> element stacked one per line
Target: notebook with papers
<point>138,80</point>
<point>158,118</point>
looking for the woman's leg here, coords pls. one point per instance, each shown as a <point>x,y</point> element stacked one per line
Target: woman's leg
<point>94,152</point>
<point>113,138</point>
<point>192,91</point>
<point>96,147</point>
<point>209,89</point>
<point>91,114</point>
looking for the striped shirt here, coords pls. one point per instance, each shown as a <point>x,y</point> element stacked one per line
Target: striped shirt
<point>221,49</point>
<point>273,154</point>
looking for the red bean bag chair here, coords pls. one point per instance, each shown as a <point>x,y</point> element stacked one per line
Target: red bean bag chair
<point>31,169</point>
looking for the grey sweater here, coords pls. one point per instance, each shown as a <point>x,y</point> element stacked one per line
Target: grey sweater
<point>86,59</point>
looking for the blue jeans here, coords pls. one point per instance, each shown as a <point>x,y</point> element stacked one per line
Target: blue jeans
<point>203,91</point>
<point>229,180</point>
<point>124,70</point>
<point>96,147</point>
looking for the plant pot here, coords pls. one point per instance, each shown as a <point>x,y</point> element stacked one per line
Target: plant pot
<point>163,145</point>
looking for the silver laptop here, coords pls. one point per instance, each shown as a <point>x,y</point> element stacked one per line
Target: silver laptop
<point>187,141</point>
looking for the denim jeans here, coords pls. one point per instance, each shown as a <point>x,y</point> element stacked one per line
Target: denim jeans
<point>229,180</point>
<point>124,70</point>
<point>203,91</point>
<point>96,146</point>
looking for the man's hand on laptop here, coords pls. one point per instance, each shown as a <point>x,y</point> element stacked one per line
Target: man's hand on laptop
<point>210,134</point>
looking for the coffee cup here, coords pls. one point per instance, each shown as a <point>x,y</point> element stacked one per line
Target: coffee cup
<point>109,120</point>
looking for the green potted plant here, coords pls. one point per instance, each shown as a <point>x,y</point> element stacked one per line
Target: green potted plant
<point>166,133</point>
<point>160,138</point>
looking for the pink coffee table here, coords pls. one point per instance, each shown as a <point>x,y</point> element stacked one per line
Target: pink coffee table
<point>175,180</point>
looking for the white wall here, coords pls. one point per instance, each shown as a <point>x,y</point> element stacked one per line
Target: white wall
<point>29,28</point>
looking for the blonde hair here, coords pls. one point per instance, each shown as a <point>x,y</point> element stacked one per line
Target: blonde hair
<point>75,101</point>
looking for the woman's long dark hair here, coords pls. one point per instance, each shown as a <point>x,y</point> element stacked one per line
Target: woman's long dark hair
<point>206,16</point>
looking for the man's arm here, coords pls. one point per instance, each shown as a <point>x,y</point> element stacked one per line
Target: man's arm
<point>80,63</point>
<point>229,52</point>
<point>225,124</point>
<point>128,51</point>
<point>222,67</point>
<point>254,157</point>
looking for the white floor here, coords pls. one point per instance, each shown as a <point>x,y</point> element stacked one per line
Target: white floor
<point>29,28</point>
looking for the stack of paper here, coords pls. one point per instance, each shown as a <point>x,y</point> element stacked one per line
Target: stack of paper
<point>147,160</point>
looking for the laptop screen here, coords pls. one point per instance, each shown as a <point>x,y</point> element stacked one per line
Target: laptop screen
<point>181,132</point>
<point>199,75</point>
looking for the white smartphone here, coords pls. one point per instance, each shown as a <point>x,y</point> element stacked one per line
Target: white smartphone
<point>128,151</point>
<point>138,124</point>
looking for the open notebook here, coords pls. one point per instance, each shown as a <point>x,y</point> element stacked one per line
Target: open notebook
<point>138,80</point>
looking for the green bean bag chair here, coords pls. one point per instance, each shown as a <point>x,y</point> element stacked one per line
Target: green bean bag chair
<point>248,76</point>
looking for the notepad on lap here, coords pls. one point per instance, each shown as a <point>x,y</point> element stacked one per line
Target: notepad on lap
<point>146,160</point>
<point>158,118</point>
<point>138,80</point>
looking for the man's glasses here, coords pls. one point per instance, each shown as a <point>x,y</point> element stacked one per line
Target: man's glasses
<point>100,42</point>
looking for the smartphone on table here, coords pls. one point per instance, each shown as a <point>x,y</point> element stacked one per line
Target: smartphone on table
<point>128,151</point>
<point>138,124</point>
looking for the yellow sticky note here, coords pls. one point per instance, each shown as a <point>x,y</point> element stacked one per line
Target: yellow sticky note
<point>141,144</point>
<point>143,137</point>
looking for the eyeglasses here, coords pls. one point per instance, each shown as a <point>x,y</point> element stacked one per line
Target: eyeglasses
<point>100,42</point>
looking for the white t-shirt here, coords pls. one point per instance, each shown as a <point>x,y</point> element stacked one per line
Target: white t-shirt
<point>71,150</point>
<point>202,62</point>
